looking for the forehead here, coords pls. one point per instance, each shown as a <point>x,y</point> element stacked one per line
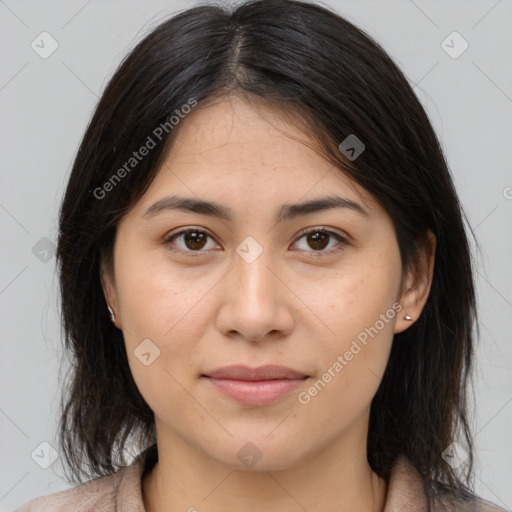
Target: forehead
<point>235,133</point>
<point>236,151</point>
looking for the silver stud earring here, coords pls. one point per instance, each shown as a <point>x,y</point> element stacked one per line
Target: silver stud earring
<point>407,317</point>
<point>112,316</point>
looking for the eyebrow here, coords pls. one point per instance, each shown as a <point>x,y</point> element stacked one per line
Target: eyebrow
<point>286,212</point>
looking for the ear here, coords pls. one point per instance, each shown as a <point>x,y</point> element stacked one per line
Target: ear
<point>110,293</point>
<point>417,283</point>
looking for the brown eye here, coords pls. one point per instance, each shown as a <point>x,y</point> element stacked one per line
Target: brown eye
<point>318,240</point>
<point>191,241</point>
<point>194,240</point>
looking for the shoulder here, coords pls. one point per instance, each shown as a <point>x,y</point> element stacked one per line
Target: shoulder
<point>452,503</point>
<point>95,495</point>
<point>121,490</point>
<point>407,492</point>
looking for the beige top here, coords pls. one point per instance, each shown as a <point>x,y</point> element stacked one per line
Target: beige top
<point>122,492</point>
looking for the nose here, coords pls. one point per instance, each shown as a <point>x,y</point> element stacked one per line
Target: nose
<point>255,302</point>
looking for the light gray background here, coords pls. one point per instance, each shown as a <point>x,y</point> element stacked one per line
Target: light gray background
<point>46,104</point>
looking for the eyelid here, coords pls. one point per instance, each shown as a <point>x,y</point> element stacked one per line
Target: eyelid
<point>326,229</point>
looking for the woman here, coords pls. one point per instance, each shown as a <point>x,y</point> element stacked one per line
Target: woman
<point>266,282</point>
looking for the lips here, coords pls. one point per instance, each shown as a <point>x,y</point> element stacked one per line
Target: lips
<point>269,372</point>
<point>255,386</point>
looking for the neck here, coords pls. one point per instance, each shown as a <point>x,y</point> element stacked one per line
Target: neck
<point>338,478</point>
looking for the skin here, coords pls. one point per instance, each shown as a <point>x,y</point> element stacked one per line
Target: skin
<point>284,308</point>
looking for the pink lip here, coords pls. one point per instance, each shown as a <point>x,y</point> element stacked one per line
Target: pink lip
<point>256,386</point>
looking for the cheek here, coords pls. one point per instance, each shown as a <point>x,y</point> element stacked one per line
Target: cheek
<point>162,319</point>
<point>351,370</point>
<point>157,299</point>
<point>163,367</point>
<point>357,298</point>
<point>360,311</point>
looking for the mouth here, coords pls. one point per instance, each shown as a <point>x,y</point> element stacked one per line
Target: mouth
<point>255,386</point>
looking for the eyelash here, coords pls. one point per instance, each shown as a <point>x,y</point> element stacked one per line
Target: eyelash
<point>316,254</point>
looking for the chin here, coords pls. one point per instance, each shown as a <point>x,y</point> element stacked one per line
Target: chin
<point>261,454</point>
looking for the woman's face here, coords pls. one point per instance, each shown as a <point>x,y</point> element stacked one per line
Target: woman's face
<point>248,289</point>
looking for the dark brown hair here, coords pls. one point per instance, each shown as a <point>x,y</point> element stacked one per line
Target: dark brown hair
<point>339,81</point>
